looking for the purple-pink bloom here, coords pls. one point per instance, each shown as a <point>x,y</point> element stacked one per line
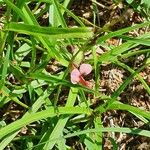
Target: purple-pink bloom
<point>76,75</point>
<point>85,69</point>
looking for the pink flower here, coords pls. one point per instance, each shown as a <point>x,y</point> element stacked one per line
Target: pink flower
<point>85,69</point>
<point>77,75</point>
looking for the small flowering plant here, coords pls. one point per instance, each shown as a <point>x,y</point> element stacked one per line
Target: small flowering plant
<point>77,75</point>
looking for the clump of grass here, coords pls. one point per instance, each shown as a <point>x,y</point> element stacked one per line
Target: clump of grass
<point>40,107</point>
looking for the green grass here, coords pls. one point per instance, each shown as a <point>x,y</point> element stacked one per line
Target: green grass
<point>52,110</point>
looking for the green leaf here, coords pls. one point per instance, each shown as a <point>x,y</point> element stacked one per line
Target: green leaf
<point>33,109</point>
<point>59,127</point>
<point>51,32</point>
<point>41,115</point>
<point>121,106</point>
<point>22,52</point>
<point>112,54</point>
<point>4,68</point>
<point>120,32</point>
<point>135,131</point>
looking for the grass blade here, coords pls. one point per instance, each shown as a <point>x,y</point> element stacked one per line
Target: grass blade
<point>51,32</point>
<point>40,115</point>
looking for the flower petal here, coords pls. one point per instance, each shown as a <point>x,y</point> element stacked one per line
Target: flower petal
<point>75,76</point>
<point>85,69</point>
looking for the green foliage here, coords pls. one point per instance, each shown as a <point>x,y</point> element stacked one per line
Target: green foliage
<point>142,6</point>
<point>36,60</point>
